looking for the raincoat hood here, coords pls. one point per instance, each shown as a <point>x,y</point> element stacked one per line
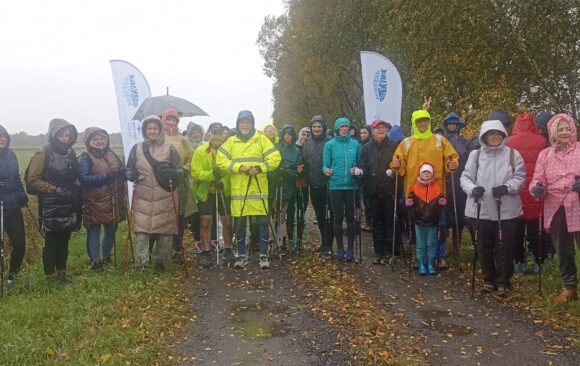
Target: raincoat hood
<point>396,134</point>
<point>439,129</point>
<point>343,121</point>
<point>453,118</point>
<point>489,126</point>
<point>525,123</point>
<point>542,119</point>
<point>245,115</point>
<point>356,131</point>
<point>417,115</point>
<point>276,136</point>
<point>320,120</point>
<point>298,141</point>
<point>288,128</point>
<point>54,127</point>
<point>194,126</point>
<point>153,119</point>
<point>5,133</point>
<point>552,127</point>
<point>89,133</point>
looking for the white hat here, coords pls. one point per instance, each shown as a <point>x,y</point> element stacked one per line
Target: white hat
<point>426,167</point>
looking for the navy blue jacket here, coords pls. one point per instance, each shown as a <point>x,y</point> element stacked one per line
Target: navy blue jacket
<point>13,194</point>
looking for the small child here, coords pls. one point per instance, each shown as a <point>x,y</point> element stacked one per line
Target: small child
<point>424,202</point>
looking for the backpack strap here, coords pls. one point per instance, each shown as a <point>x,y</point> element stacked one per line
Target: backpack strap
<point>512,161</point>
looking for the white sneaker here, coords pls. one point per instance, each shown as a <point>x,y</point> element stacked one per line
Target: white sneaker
<point>264,263</point>
<point>241,262</point>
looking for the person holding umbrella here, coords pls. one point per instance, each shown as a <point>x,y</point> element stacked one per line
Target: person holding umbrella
<point>248,156</point>
<point>102,175</point>
<point>12,199</point>
<point>493,176</point>
<point>52,174</point>
<point>557,180</point>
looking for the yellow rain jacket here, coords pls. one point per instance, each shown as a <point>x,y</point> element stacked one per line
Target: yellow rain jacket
<point>202,166</point>
<point>255,150</point>
<point>276,137</point>
<point>424,147</point>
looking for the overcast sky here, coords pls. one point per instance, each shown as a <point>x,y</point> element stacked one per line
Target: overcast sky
<point>55,58</point>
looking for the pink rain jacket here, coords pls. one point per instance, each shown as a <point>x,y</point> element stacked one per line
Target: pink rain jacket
<point>557,172</point>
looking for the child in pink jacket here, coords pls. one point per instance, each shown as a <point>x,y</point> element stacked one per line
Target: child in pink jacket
<point>557,179</point>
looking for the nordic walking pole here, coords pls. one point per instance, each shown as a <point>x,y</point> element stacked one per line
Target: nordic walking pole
<point>266,210</point>
<point>457,236</point>
<point>500,239</point>
<point>217,230</point>
<point>390,173</point>
<point>2,245</point>
<point>357,242</point>
<point>539,248</point>
<point>129,238</point>
<point>177,225</point>
<point>475,245</point>
<point>237,226</point>
<point>113,199</point>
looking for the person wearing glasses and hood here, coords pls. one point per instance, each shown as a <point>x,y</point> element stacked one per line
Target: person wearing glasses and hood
<point>493,177</point>
<point>557,179</point>
<point>248,157</point>
<point>102,176</point>
<point>156,171</point>
<point>53,176</point>
<point>340,162</point>
<point>13,198</point>
<point>194,133</point>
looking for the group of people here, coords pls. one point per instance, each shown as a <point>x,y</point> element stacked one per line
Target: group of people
<point>500,186</point>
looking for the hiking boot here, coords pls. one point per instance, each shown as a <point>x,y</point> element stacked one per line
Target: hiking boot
<point>176,258</point>
<point>158,268</point>
<point>264,263</point>
<point>340,255</point>
<point>487,288</point>
<point>520,269</point>
<point>388,260</point>
<point>97,267</point>
<point>228,257</point>
<point>241,262</point>
<point>431,269</point>
<point>422,269</point>
<point>10,279</point>
<point>349,256</point>
<point>378,259</point>
<point>566,295</point>
<point>63,279</point>
<point>502,291</point>
<point>327,254</point>
<point>442,265</point>
<point>206,259</point>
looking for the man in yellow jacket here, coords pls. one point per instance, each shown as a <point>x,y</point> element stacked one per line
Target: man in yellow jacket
<point>248,156</point>
<point>424,147</point>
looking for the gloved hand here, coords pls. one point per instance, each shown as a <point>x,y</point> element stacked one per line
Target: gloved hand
<point>442,201</point>
<point>217,173</point>
<point>576,185</point>
<point>68,193</point>
<point>219,185</point>
<point>132,175</point>
<point>499,191</point>
<point>477,192</point>
<point>356,171</point>
<point>409,202</point>
<point>539,190</point>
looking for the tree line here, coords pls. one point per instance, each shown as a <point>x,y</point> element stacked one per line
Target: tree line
<point>24,140</point>
<point>470,55</point>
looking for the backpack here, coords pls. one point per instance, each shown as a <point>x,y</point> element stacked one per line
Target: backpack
<point>165,172</point>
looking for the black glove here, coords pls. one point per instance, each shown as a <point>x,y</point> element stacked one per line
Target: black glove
<point>499,191</point>
<point>477,192</point>
<point>121,174</point>
<point>132,175</point>
<point>3,186</point>
<point>68,193</point>
<point>217,173</point>
<point>576,185</point>
<point>178,174</point>
<point>539,190</point>
<point>219,185</point>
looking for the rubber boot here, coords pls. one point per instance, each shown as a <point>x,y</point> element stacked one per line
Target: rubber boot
<point>422,268</point>
<point>431,267</point>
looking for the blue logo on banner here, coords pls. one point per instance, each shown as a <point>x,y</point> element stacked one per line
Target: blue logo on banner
<point>380,84</point>
<point>130,91</point>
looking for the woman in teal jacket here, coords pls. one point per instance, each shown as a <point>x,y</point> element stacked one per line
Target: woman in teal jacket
<point>340,164</point>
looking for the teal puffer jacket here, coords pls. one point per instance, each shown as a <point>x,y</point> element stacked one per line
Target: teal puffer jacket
<point>341,154</point>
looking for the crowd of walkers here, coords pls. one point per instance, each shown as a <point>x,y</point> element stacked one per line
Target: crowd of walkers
<point>517,193</point>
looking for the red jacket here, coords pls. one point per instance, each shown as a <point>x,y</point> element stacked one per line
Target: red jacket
<point>526,140</point>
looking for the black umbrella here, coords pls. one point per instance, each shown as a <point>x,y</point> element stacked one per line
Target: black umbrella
<point>156,105</point>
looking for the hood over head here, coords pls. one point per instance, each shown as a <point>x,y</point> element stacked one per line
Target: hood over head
<point>91,132</point>
<point>417,115</point>
<point>276,136</point>
<point>489,126</point>
<point>298,141</point>
<point>342,121</point>
<point>356,131</point>
<point>4,132</point>
<point>396,134</point>
<point>453,118</point>
<point>439,130</point>
<point>288,128</point>
<point>525,123</point>
<point>322,121</point>
<point>153,119</point>
<point>542,119</point>
<point>500,115</point>
<point>245,115</point>
<point>54,127</point>
<point>553,127</point>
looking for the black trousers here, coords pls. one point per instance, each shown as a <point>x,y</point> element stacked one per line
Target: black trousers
<point>14,227</point>
<point>55,252</point>
<point>343,202</point>
<point>381,210</point>
<point>320,203</point>
<point>497,260</point>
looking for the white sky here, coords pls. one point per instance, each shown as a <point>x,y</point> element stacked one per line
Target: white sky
<point>54,58</point>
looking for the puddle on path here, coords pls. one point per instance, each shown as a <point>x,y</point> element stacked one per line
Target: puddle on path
<point>260,320</point>
<point>439,321</point>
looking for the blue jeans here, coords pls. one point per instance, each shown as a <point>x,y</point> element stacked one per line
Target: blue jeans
<point>94,243</point>
<point>426,241</point>
<point>240,227</point>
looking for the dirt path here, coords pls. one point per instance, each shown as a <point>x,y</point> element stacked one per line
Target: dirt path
<point>255,317</point>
